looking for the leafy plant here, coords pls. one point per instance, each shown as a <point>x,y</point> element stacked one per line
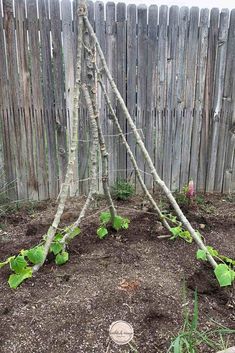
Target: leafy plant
<point>22,264</point>
<point>190,339</point>
<point>122,190</point>
<point>118,223</point>
<point>224,272</point>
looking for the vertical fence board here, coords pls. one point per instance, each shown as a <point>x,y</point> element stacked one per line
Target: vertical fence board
<point>217,98</point>
<point>229,115</point>
<point>209,82</point>
<point>190,94</point>
<point>180,97</point>
<point>121,84</point>
<point>151,88</point>
<point>111,61</point>
<point>226,116</point>
<point>69,72</point>
<point>27,122</point>
<point>131,79</point>
<point>161,86</point>
<point>48,96</point>
<point>170,93</point>
<point>8,172</point>
<point>58,80</point>
<point>37,99</point>
<point>100,32</point>
<point>13,112</point>
<point>200,87</point>
<point>141,80</point>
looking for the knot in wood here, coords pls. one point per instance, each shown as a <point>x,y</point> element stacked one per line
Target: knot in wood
<point>82,10</point>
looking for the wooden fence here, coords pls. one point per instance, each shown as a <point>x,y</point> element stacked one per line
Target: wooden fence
<point>175,68</point>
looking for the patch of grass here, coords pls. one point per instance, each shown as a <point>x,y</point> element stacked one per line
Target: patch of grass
<point>191,339</point>
<point>122,190</point>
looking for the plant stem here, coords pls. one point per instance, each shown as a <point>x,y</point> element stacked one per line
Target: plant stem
<point>145,153</point>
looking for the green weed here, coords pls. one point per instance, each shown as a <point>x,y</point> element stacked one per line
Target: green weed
<point>190,339</point>
<point>122,190</point>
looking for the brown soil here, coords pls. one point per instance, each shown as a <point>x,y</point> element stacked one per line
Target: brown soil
<point>132,276</point>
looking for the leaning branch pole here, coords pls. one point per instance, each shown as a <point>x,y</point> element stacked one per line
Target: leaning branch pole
<point>93,161</point>
<point>81,11</point>
<point>132,158</point>
<point>144,151</point>
<point>92,87</point>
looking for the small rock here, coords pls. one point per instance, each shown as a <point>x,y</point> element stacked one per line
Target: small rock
<point>202,226</point>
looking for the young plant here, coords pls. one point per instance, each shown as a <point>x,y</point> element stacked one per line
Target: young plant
<point>22,264</point>
<point>224,271</point>
<point>122,190</point>
<point>118,223</point>
<point>190,339</point>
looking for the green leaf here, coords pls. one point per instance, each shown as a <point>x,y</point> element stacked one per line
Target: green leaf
<point>16,279</point>
<point>201,255</point>
<point>186,236</point>
<point>36,255</point>
<point>224,275</point>
<point>177,345</point>
<point>76,231</point>
<point>62,258</point>
<point>195,313</point>
<point>105,217</point>
<point>7,261</point>
<point>18,263</point>
<point>117,223</point>
<point>58,237</point>
<point>175,231</point>
<point>212,251</point>
<point>227,259</point>
<point>125,223</point>
<point>102,232</point>
<point>55,248</point>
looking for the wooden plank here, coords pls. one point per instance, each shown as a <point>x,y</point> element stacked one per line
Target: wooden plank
<point>69,75</point>
<point>131,81</point>
<point>112,141</point>
<point>190,94</point>
<point>180,97</point>
<point>170,93</point>
<point>8,173</point>
<point>161,86</point>
<point>58,79</point>
<point>100,32</point>
<point>121,84</point>
<point>217,98</point>
<point>226,114</point>
<point>229,111</point>
<point>17,146</point>
<point>141,80</point>
<point>48,96</point>
<point>209,83</point>
<point>151,88</point>
<point>37,100</point>
<point>200,91</point>
<point>27,123</point>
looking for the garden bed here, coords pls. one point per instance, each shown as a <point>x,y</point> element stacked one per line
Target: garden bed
<point>132,276</point>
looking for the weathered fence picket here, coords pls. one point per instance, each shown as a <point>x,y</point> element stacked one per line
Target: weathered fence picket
<point>174,67</point>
